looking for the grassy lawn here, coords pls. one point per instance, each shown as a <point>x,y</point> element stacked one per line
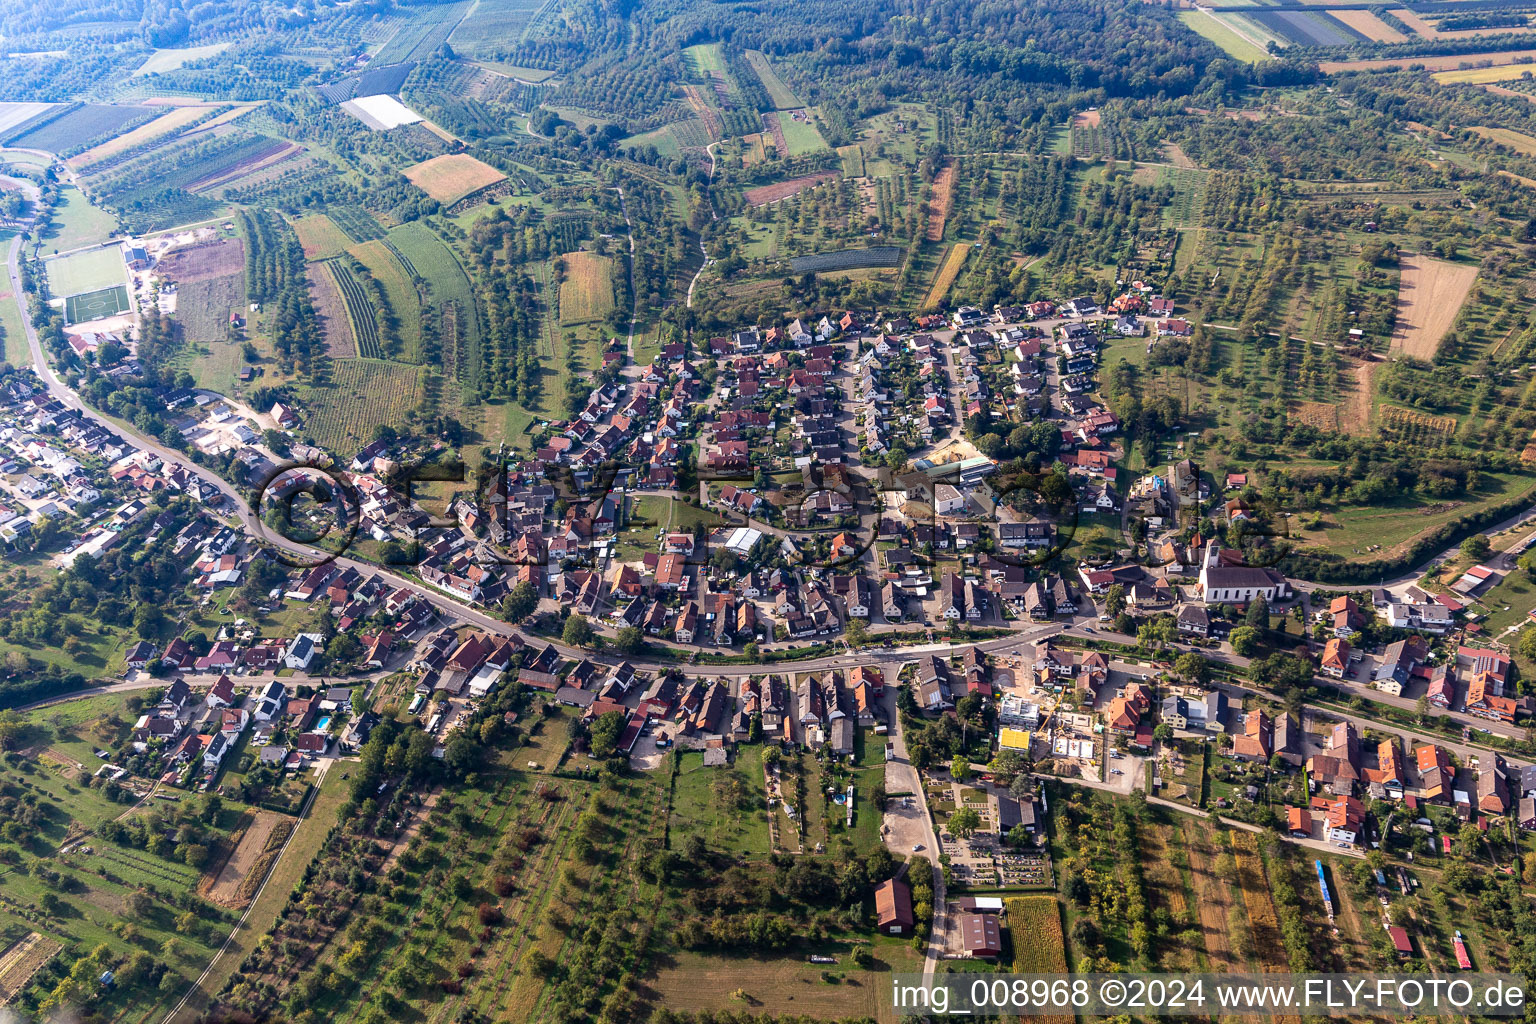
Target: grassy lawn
<point>1387,523</point>
<point>801,136</point>
<point>652,512</point>
<point>76,223</point>
<point>1508,602</point>
<point>1223,36</point>
<point>547,741</point>
<point>99,653</point>
<point>80,727</point>
<point>787,984</point>
<point>723,805</point>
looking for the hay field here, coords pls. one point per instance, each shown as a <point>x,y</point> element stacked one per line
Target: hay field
<point>947,274</point>
<point>171,59</point>
<point>1429,295</point>
<point>1445,63</point>
<point>586,294</point>
<point>782,96</point>
<point>943,199</point>
<point>1482,76</point>
<point>1370,26</point>
<point>452,176</point>
<point>320,236</point>
<point>1518,141</point>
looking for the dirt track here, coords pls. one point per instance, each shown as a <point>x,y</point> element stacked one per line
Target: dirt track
<point>1429,295</point>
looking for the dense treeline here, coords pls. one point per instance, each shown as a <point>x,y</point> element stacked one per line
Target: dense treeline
<point>275,277</point>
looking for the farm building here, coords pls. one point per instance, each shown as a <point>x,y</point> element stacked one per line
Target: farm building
<point>893,907</point>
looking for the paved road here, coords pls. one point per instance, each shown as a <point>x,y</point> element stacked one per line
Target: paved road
<point>901,777</point>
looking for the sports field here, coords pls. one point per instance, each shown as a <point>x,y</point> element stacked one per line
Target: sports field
<point>88,271</point>
<point>79,309</point>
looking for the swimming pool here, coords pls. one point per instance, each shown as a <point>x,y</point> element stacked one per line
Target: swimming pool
<point>323,724</point>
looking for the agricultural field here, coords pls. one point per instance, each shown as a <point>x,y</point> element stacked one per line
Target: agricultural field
<point>1038,917</point>
<point>765,194</point>
<point>1517,141</point>
<point>422,33</point>
<point>782,96</point>
<point>1368,25</point>
<point>586,294</point>
<point>452,176</point>
<point>943,200</point>
<point>1430,294</point>
<point>1223,35</point>
<point>88,271</point>
<point>1442,63</point>
<point>848,259</point>
<point>494,25</point>
<point>533,76</point>
<point>174,119</point>
<point>365,326</point>
<point>399,289</point>
<point>1483,76</point>
<point>13,115</point>
<point>357,222</point>
<point>14,332</point>
<point>361,394</point>
<point>1305,28</point>
<point>1431,30</point>
<point>162,61</point>
<point>1390,525</point>
<point>203,307</point>
<point>853,161</point>
<point>331,310</point>
<point>948,271</point>
<point>320,236</point>
<point>425,255</point>
<point>79,128</point>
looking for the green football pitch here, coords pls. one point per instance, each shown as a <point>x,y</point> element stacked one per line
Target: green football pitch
<point>79,309</point>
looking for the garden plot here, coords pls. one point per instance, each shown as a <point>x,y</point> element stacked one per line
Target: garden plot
<point>22,960</point>
<point>1429,295</point>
